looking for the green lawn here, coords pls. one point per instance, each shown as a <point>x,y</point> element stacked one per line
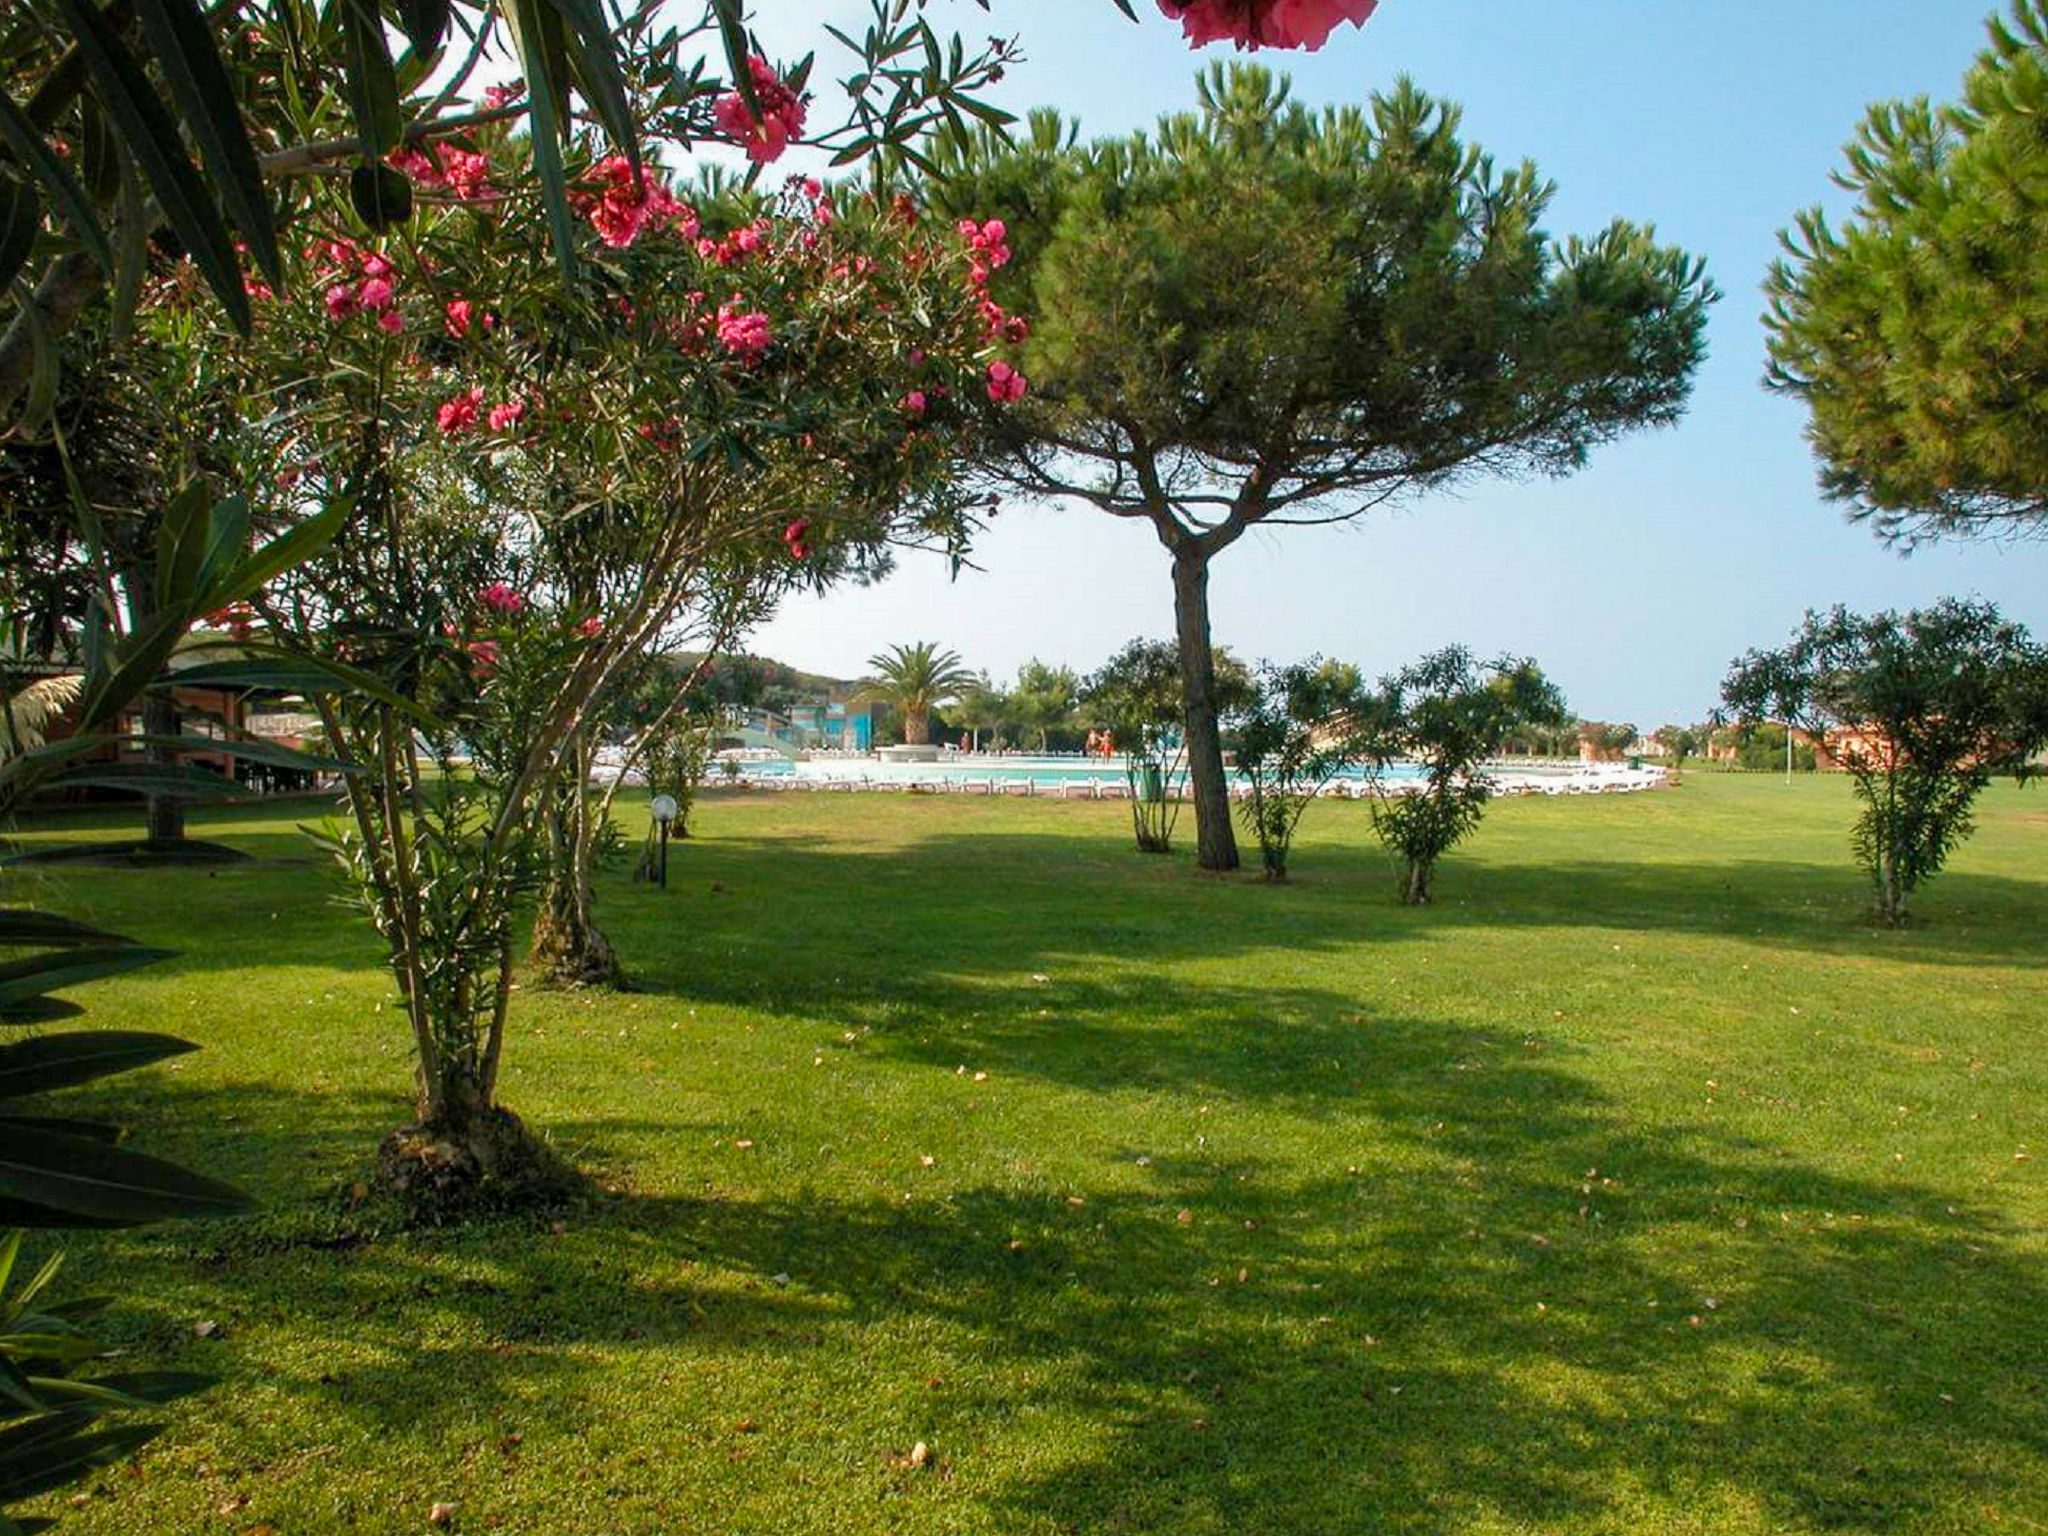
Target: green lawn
<point>1637,1187</point>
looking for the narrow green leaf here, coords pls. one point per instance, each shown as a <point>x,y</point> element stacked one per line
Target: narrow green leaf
<point>181,543</point>
<point>34,151</point>
<point>182,41</point>
<point>70,1175</point>
<point>381,196</point>
<point>372,82</point>
<point>51,1450</point>
<point>21,216</point>
<point>34,975</point>
<point>424,22</point>
<point>26,925</point>
<point>81,1056</point>
<point>151,137</point>
<point>227,542</point>
<point>537,28</point>
<point>597,66</point>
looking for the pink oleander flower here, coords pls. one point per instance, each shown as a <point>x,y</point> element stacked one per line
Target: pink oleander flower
<point>590,628</point>
<point>463,172</point>
<point>391,320</point>
<point>458,413</point>
<point>782,114</point>
<point>376,266</point>
<point>622,212</point>
<point>507,415</point>
<point>457,318</point>
<point>341,301</point>
<point>496,96</point>
<point>915,404</point>
<point>375,294</point>
<point>743,332</point>
<point>793,539</point>
<point>1305,24</point>
<point>483,654</point>
<point>1005,384</point>
<point>502,597</point>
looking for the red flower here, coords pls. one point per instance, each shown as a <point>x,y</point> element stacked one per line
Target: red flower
<point>793,539</point>
<point>1265,23</point>
<point>743,332</point>
<point>782,114</point>
<point>458,317</point>
<point>590,628</point>
<point>458,413</point>
<point>1005,384</point>
<point>510,414</point>
<point>501,597</point>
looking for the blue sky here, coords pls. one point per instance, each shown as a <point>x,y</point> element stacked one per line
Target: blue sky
<point>1633,583</point>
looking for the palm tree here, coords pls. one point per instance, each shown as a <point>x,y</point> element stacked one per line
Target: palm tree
<point>915,678</point>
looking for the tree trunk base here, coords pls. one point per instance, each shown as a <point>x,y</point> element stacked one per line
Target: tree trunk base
<point>573,954</point>
<point>489,1165</point>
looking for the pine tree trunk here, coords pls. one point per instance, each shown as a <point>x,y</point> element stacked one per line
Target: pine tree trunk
<point>1215,842</point>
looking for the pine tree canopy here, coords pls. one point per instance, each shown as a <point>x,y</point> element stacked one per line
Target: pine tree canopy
<point>1263,313</point>
<point>1916,331</point>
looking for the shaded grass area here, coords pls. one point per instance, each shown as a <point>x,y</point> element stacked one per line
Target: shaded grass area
<point>1637,1186</point>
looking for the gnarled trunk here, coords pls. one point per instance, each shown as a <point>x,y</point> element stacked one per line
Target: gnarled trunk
<point>1215,842</point>
<point>569,949</point>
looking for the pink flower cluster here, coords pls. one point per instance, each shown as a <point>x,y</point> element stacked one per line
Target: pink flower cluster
<point>358,282</point>
<point>502,598</point>
<point>458,416</point>
<point>1265,23</point>
<point>794,540</point>
<point>625,209</point>
<point>782,114</point>
<point>459,315</point>
<point>748,240</point>
<point>499,96</point>
<point>741,331</point>
<point>1005,384</point>
<point>461,171</point>
<point>989,254</point>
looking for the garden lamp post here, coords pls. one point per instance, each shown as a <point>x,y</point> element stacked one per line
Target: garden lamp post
<point>664,808</point>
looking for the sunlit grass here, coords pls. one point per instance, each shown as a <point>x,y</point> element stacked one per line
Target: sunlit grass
<point>1640,1185</point>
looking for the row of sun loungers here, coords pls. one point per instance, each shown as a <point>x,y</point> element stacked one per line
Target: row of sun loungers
<point>1119,788</point>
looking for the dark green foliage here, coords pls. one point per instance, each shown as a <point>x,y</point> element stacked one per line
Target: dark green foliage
<point>1916,332</point>
<point>1302,726</point>
<point>1921,708</point>
<point>1259,314</point>
<point>1450,713</point>
<point>1135,696</point>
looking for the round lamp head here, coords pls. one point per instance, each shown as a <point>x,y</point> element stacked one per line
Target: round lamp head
<point>664,808</point>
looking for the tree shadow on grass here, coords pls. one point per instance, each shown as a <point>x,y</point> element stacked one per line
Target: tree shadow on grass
<point>1525,1307</point>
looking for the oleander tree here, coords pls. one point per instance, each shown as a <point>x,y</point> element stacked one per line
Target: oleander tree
<point>1921,709</point>
<point>1301,726</point>
<point>173,114</point>
<point>544,480</point>
<point>1914,330</point>
<point>1261,316</point>
<point>1448,713</point>
<point>1135,696</point>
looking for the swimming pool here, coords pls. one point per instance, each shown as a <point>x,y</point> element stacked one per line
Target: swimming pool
<point>1058,773</point>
